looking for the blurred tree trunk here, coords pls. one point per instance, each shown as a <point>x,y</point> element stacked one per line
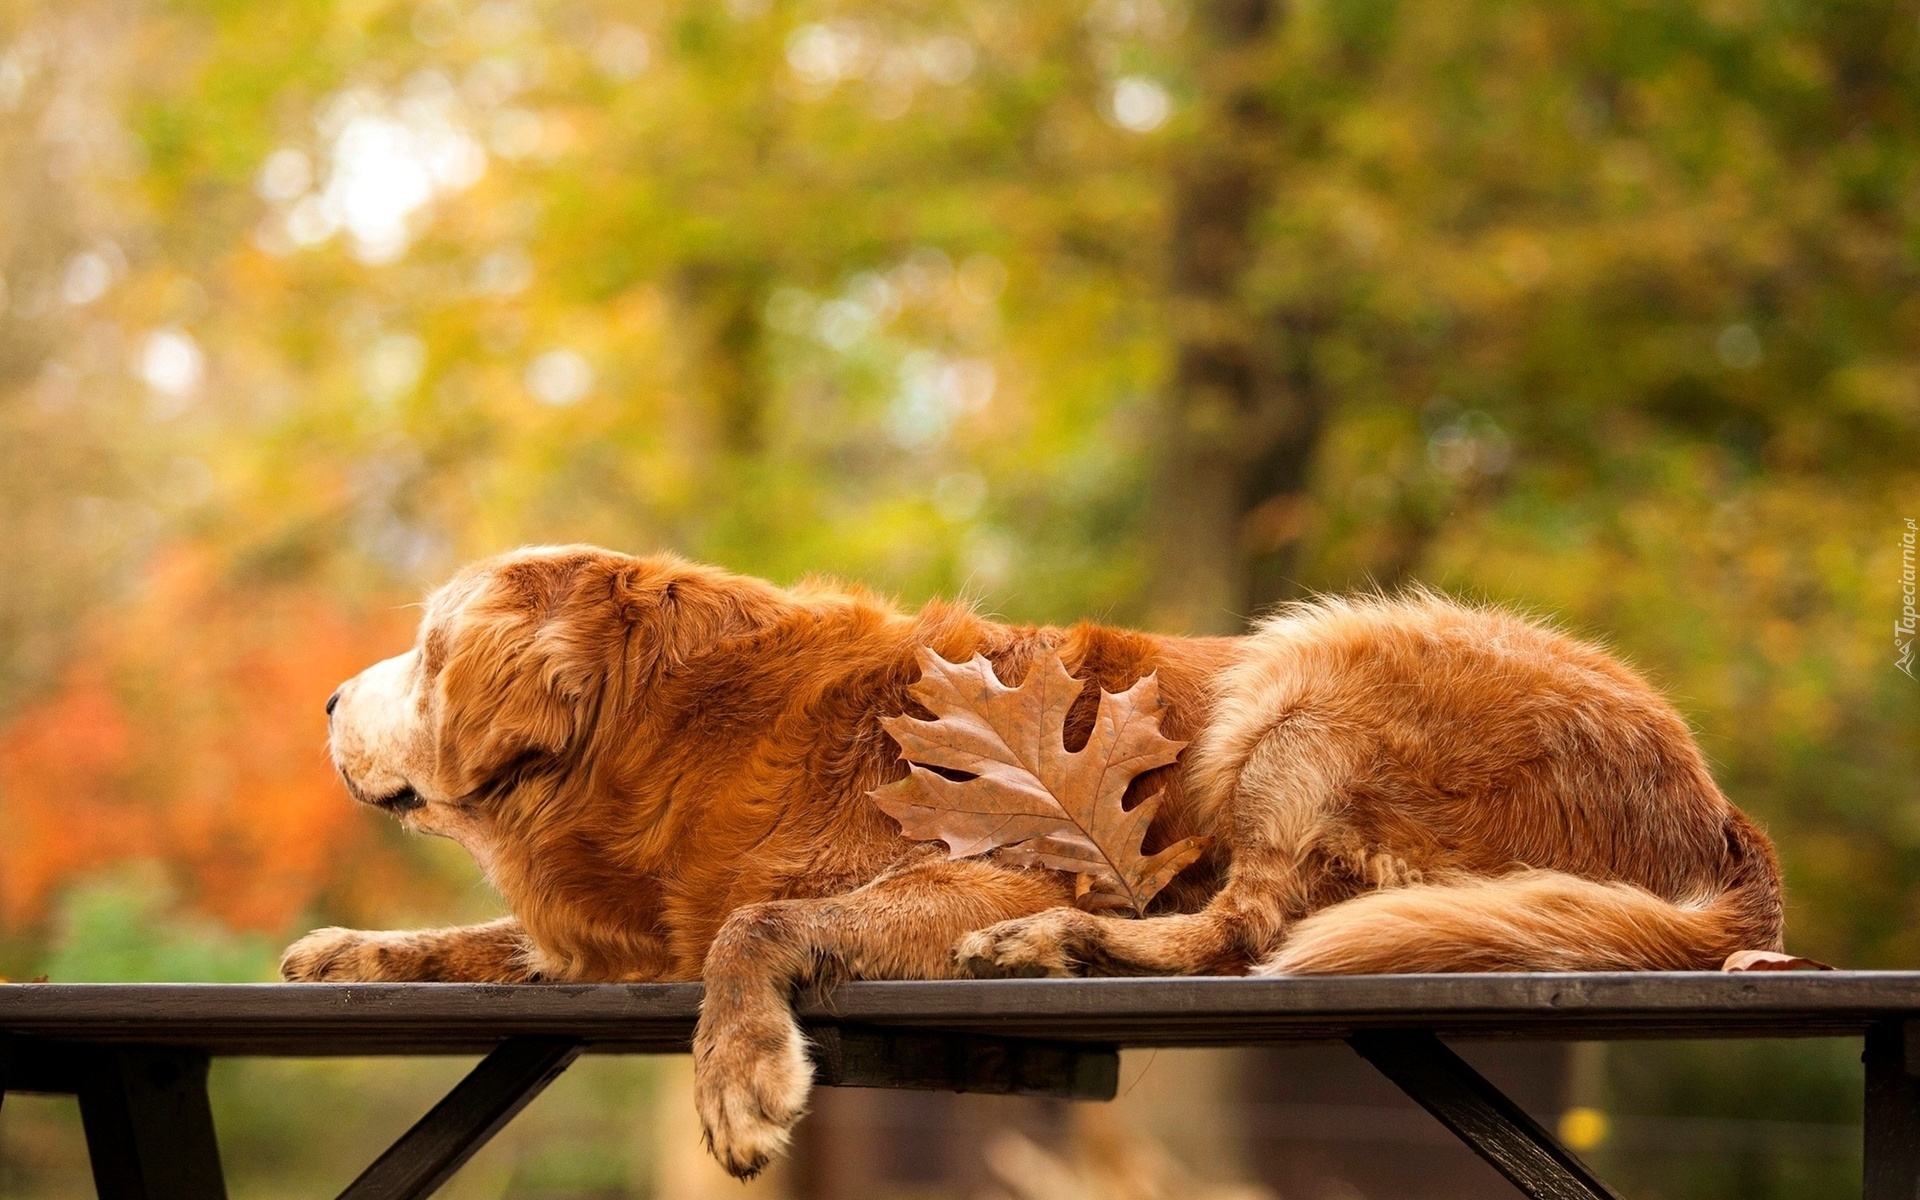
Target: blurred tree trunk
<point>725,303</point>
<point>1243,413</point>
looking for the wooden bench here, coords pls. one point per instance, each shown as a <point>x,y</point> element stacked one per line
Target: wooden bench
<point>136,1055</point>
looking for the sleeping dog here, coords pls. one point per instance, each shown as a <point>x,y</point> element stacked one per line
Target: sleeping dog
<point>664,769</point>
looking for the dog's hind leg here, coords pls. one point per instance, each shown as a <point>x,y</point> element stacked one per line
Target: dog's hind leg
<point>1227,937</point>
<point>751,1075</point>
<point>1290,852</point>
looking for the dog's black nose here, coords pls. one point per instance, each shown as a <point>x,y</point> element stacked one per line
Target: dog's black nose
<point>333,701</point>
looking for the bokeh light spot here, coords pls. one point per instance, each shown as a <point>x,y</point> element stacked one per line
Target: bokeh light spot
<point>1139,104</point>
<point>560,377</point>
<point>171,363</point>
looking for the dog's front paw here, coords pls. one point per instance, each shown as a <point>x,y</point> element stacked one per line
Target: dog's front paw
<point>1047,944</point>
<point>750,1082</point>
<point>337,956</point>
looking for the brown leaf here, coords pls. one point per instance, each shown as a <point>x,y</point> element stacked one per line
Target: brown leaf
<point>1768,960</point>
<point>1029,796</point>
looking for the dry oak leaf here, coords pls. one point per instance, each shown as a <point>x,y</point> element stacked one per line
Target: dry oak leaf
<point>1770,960</point>
<point>1029,796</point>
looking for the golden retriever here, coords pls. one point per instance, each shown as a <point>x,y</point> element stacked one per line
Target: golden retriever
<point>665,768</point>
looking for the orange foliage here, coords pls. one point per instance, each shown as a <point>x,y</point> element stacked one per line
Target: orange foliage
<point>189,729</point>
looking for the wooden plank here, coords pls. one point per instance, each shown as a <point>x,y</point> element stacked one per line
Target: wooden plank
<point>149,1127</point>
<point>478,1107</point>
<point>344,1019</point>
<point>353,1019</point>
<point>1891,1167</point>
<point>1480,1115</point>
<point>863,1056</point>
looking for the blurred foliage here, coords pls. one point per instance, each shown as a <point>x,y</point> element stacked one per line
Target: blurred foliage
<point>1608,309</point>
<point>1604,309</point>
<point>126,927</point>
<point>1694,1120</point>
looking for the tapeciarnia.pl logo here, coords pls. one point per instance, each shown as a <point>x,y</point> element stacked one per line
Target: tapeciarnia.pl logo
<point>1904,627</point>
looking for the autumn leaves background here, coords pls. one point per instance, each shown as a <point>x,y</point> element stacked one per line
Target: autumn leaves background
<point>1152,310</point>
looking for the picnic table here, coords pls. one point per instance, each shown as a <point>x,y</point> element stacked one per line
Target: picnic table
<point>136,1055</point>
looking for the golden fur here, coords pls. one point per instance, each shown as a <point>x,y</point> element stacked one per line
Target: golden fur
<point>664,769</point>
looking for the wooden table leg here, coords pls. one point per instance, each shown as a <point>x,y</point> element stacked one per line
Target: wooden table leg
<point>149,1126</point>
<point>492,1094</point>
<point>1891,1166</point>
<point>1480,1115</point>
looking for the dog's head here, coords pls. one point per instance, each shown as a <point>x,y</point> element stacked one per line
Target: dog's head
<point>520,662</point>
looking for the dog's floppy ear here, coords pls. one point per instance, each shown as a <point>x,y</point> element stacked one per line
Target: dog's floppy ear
<point>520,678</point>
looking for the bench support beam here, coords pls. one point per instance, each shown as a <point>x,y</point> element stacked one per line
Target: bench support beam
<point>149,1126</point>
<point>453,1130</point>
<point>1480,1115</point>
<point>144,1108</point>
<point>1891,1166</point>
<point>856,1056</point>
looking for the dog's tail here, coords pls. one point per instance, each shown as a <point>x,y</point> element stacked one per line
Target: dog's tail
<point>1541,921</point>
